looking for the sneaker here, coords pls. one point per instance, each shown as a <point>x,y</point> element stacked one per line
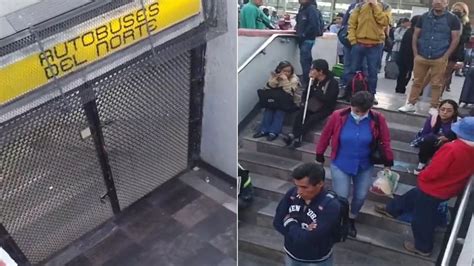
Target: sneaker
<point>272,136</point>
<point>408,245</point>
<point>407,108</point>
<point>382,210</point>
<point>433,112</point>
<point>418,170</point>
<point>259,135</point>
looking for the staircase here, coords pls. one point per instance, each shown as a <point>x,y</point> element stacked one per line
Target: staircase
<point>379,240</point>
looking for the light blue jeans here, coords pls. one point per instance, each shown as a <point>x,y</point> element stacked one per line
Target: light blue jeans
<point>291,262</point>
<point>341,184</point>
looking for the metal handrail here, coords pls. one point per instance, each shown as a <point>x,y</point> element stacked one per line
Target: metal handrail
<point>457,224</point>
<point>261,48</point>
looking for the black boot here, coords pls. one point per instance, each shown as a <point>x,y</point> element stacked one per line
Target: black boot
<point>352,230</point>
<point>288,139</point>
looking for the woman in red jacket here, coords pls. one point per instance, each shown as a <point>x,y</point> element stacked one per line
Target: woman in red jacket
<point>354,133</point>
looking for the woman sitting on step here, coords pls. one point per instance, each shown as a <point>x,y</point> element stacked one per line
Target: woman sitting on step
<point>284,78</point>
<point>321,103</point>
<point>436,132</point>
<point>356,135</point>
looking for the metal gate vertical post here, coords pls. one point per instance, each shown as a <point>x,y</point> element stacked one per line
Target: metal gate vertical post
<point>10,246</point>
<point>90,109</point>
<point>198,61</point>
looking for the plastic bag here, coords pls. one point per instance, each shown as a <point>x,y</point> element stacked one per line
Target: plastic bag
<point>385,184</point>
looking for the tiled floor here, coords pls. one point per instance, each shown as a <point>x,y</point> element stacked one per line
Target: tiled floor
<point>174,225</point>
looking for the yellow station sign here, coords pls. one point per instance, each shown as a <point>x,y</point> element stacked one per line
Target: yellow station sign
<point>39,68</point>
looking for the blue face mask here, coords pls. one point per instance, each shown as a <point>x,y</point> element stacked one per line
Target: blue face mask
<point>358,118</point>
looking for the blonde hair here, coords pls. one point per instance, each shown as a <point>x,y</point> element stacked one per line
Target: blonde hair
<point>463,6</point>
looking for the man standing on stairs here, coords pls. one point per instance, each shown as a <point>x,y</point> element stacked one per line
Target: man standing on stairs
<point>307,217</point>
<point>366,34</point>
<point>445,177</point>
<point>309,25</point>
<point>435,38</point>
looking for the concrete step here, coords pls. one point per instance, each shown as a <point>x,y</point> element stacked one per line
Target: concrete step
<point>256,149</point>
<point>249,259</point>
<point>385,236</point>
<point>402,151</point>
<point>279,182</point>
<point>391,115</point>
<point>368,249</point>
<point>398,131</point>
<point>367,215</point>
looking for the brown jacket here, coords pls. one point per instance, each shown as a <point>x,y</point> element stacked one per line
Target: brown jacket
<point>290,86</point>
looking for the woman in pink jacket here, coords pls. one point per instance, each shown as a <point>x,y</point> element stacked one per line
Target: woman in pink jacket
<point>355,133</point>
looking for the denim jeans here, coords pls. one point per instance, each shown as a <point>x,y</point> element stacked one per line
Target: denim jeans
<point>272,121</point>
<point>291,262</point>
<point>425,216</point>
<point>347,66</point>
<point>341,184</point>
<point>306,58</point>
<point>373,55</point>
<point>403,208</point>
<point>346,76</point>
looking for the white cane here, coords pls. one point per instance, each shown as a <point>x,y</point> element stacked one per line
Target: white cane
<point>308,92</point>
<point>306,102</point>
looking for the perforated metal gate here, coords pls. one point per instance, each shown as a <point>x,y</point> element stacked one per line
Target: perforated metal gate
<point>52,181</point>
<point>146,107</point>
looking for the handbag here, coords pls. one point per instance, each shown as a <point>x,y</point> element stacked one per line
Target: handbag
<point>377,155</point>
<point>388,45</point>
<point>276,99</point>
<point>314,104</point>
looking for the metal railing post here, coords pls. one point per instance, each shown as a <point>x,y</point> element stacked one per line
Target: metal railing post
<point>448,251</point>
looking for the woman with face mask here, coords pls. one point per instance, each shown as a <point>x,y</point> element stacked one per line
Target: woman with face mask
<point>456,60</point>
<point>353,133</point>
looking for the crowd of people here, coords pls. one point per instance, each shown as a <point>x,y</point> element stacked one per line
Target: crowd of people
<point>431,46</point>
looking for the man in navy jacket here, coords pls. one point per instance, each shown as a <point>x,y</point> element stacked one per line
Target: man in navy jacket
<point>307,217</point>
<point>309,25</point>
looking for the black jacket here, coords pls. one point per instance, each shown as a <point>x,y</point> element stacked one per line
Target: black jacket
<point>302,244</point>
<point>329,98</point>
<point>458,54</point>
<point>309,23</point>
<point>405,55</point>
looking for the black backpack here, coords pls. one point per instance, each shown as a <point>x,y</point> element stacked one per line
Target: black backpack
<point>320,26</point>
<point>341,230</point>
